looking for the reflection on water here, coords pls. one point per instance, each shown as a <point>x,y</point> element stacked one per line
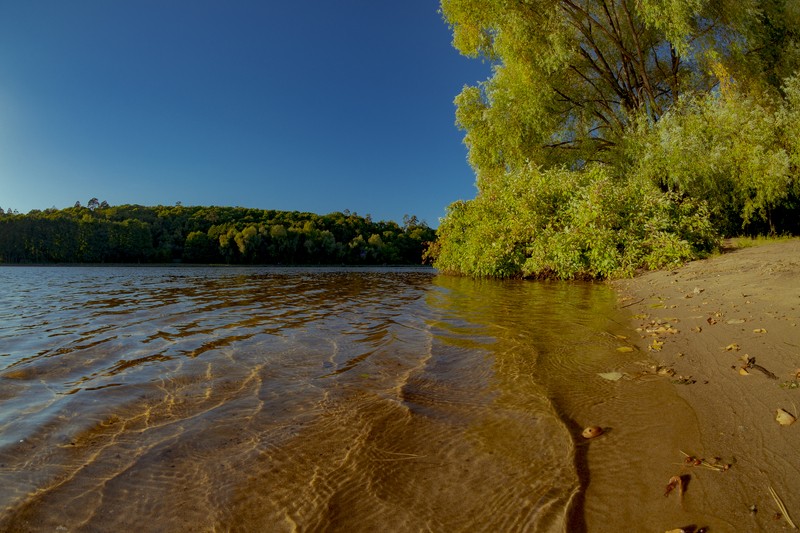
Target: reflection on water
<point>262,399</point>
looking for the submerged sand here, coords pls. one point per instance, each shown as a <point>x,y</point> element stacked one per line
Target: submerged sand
<point>725,333</point>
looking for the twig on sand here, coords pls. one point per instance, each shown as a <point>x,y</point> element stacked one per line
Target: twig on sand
<point>782,507</point>
<point>632,303</point>
<point>691,460</point>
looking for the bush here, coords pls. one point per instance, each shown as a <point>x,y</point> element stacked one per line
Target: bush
<point>570,225</point>
<point>736,152</point>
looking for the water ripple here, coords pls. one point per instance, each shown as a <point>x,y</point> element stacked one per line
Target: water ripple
<point>269,399</point>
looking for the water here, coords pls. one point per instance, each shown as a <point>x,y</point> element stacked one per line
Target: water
<point>267,399</point>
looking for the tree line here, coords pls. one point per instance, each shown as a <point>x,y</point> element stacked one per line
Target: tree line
<point>615,135</point>
<point>100,233</point>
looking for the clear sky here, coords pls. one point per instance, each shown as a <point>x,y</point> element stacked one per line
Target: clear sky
<point>320,106</point>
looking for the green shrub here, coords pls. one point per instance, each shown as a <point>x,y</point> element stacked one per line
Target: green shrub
<point>569,224</point>
<point>738,153</point>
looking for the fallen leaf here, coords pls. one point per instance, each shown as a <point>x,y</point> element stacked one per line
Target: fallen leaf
<point>733,347</point>
<point>675,482</point>
<point>743,372</point>
<point>656,345</point>
<point>735,321</point>
<point>611,376</point>
<point>697,329</point>
<point>625,349</point>
<point>759,330</point>
<point>785,418</point>
<point>711,321</point>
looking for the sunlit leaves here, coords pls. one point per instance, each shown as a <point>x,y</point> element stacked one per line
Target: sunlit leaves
<point>732,151</point>
<point>570,224</point>
<point>616,135</point>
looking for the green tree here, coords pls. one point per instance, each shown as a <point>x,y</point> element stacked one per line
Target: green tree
<point>569,75</point>
<point>612,107</point>
<point>199,248</point>
<point>732,150</point>
<point>128,233</point>
<point>248,242</point>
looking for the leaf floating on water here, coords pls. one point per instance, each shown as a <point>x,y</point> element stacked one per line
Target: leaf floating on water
<point>733,347</point>
<point>625,349</point>
<point>759,330</point>
<point>785,418</point>
<point>611,376</point>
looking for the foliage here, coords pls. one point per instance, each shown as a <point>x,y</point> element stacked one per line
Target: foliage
<point>615,134</point>
<point>760,240</point>
<point>571,225</point>
<point>732,150</point>
<point>569,75</point>
<point>132,233</point>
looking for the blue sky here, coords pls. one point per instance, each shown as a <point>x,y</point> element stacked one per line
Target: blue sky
<point>314,106</point>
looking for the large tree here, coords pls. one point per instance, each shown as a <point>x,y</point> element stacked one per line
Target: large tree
<point>571,75</point>
<point>620,134</point>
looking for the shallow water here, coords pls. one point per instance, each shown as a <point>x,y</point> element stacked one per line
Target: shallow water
<point>267,399</point>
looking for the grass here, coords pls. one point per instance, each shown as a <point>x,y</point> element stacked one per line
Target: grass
<point>750,242</point>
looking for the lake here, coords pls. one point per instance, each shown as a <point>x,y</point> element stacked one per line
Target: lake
<point>318,399</point>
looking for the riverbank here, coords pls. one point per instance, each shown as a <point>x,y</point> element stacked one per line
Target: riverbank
<point>726,332</point>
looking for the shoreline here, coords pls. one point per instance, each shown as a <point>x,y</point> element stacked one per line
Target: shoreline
<point>727,330</point>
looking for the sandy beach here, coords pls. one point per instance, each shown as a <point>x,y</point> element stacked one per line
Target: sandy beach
<point>725,332</point>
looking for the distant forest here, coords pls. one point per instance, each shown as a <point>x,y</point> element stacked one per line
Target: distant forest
<point>100,233</point>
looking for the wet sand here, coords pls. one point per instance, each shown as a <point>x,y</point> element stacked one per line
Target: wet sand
<point>725,333</point>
